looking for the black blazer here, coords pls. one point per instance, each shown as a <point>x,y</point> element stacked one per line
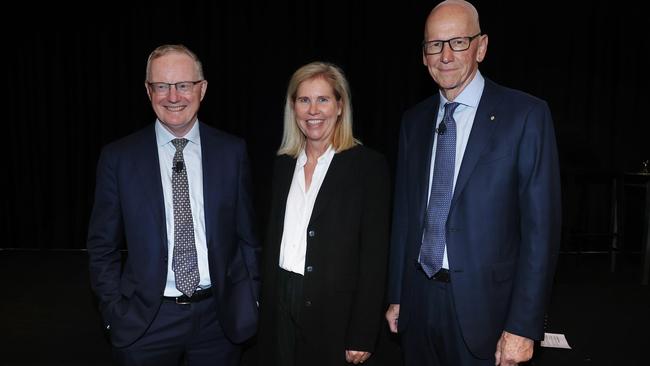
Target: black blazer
<point>347,245</point>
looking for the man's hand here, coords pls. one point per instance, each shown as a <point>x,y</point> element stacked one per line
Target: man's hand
<point>392,314</point>
<point>356,357</point>
<point>512,349</point>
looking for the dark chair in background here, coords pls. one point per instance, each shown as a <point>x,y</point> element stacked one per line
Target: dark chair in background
<point>606,212</point>
<point>591,217</point>
<point>635,209</point>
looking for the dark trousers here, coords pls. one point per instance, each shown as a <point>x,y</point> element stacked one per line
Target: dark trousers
<point>288,331</point>
<point>433,336</point>
<point>187,333</point>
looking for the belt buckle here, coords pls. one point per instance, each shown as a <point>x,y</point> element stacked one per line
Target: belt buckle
<point>183,300</point>
<point>442,276</point>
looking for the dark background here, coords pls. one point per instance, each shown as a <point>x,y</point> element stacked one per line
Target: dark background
<point>74,82</point>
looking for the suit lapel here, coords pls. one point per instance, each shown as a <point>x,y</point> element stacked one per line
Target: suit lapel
<point>484,122</point>
<point>148,166</point>
<point>282,177</point>
<point>212,181</point>
<point>330,184</point>
<point>423,152</point>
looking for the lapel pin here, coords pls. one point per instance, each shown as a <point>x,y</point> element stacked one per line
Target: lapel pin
<point>492,118</point>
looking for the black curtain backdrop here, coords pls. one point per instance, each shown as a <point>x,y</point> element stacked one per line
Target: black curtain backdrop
<point>74,82</point>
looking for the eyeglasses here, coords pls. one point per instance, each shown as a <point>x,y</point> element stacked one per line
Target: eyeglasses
<point>183,87</point>
<point>456,44</point>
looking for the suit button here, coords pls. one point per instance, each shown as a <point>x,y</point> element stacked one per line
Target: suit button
<point>310,269</point>
<point>165,259</point>
<point>308,303</point>
<point>311,233</point>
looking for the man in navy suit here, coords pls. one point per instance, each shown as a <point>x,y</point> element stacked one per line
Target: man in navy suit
<point>176,184</point>
<point>499,231</point>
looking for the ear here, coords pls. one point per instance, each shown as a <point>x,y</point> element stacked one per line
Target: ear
<point>146,86</point>
<point>482,47</point>
<point>204,88</point>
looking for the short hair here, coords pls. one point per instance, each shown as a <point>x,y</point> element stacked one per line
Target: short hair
<point>293,140</point>
<point>173,48</point>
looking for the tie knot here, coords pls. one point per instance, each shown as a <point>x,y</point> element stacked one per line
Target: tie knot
<point>449,110</point>
<point>179,144</point>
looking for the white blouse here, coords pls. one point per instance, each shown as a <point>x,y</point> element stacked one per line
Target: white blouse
<point>300,203</point>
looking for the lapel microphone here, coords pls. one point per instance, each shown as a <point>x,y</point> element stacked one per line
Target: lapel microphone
<point>178,166</point>
<point>442,127</point>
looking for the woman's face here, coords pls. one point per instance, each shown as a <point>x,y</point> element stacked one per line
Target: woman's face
<point>316,110</point>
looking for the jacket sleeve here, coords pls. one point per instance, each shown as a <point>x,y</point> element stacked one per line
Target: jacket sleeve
<point>368,306</point>
<point>246,233</point>
<point>105,236</point>
<point>399,224</point>
<point>540,221</point>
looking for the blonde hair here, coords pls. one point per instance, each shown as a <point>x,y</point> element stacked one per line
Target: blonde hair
<point>293,140</point>
<point>173,48</point>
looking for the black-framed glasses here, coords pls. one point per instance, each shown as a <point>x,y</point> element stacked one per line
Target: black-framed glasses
<point>456,44</point>
<point>183,87</point>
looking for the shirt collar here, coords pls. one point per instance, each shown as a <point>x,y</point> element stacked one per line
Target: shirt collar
<point>163,136</point>
<point>471,95</point>
<point>327,155</point>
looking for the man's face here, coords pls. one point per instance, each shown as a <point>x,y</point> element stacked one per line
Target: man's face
<point>453,70</point>
<point>176,108</point>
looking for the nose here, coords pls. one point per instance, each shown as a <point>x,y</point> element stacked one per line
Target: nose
<point>173,93</point>
<point>313,108</point>
<point>447,54</point>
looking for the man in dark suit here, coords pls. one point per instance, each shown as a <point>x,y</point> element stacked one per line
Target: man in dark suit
<point>477,209</point>
<point>177,193</point>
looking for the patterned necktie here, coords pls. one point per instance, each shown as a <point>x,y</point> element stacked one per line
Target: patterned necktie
<point>433,240</point>
<point>184,262</point>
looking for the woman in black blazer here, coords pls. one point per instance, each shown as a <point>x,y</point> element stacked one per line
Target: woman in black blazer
<point>327,238</point>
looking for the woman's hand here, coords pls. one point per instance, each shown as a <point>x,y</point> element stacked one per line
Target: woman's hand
<point>356,357</point>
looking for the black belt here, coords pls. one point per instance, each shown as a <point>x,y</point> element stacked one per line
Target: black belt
<point>441,276</point>
<point>197,296</point>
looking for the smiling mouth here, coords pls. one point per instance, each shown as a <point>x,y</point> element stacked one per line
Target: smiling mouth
<point>175,108</point>
<point>314,121</point>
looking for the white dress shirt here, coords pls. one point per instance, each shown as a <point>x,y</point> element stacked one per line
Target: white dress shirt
<point>193,166</point>
<point>300,204</point>
<point>464,115</point>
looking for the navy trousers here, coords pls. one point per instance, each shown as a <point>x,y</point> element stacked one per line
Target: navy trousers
<point>433,336</point>
<point>188,334</point>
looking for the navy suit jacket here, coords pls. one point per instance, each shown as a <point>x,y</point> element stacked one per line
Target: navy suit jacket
<point>129,208</point>
<point>503,228</point>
